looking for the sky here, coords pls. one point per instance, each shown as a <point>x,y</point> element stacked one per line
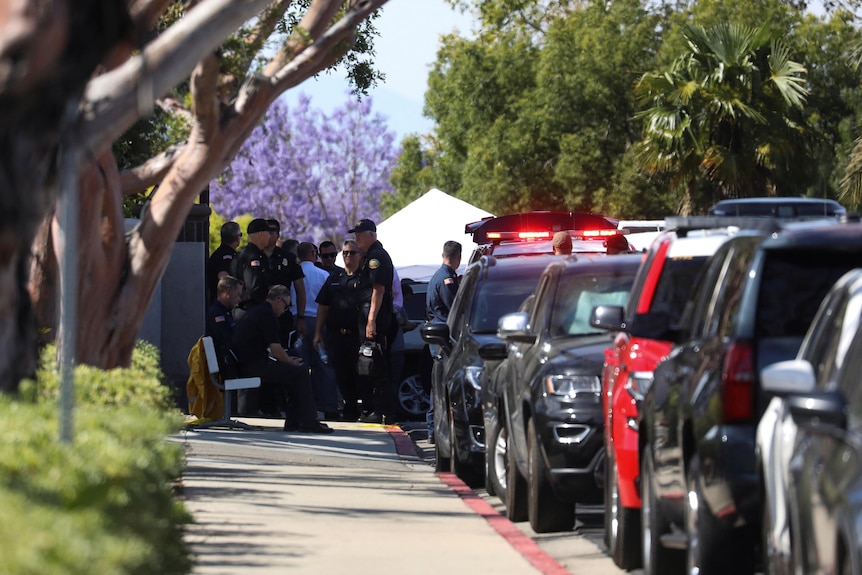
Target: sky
<point>410,33</point>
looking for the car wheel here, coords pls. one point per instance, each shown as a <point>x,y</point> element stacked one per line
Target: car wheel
<point>516,490</point>
<point>495,460</point>
<point>708,541</point>
<point>545,511</point>
<point>622,523</point>
<point>413,400</point>
<point>469,474</point>
<point>657,560</point>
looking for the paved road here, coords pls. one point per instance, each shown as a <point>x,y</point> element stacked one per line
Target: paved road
<point>266,501</point>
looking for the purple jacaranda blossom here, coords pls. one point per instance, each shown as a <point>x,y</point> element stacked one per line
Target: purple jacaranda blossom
<point>317,174</point>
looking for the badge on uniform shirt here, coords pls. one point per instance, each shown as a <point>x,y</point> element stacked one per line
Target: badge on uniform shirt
<point>254,263</point>
<point>227,257</point>
<point>373,264</point>
<point>448,281</point>
<point>284,262</point>
<point>220,318</point>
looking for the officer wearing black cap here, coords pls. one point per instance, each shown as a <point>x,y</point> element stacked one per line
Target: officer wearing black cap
<point>250,266</point>
<point>376,314</point>
<point>286,270</point>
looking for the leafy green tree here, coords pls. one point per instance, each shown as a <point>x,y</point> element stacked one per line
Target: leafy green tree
<point>729,109</point>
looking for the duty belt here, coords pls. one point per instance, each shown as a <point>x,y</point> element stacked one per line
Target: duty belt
<point>344,331</point>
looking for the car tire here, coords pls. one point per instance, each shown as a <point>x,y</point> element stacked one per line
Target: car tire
<point>622,524</point>
<point>412,399</point>
<point>708,540</point>
<point>470,474</point>
<point>516,491</point>
<point>495,462</point>
<point>656,559</point>
<point>546,512</point>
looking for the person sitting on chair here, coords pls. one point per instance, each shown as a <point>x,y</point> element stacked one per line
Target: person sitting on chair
<point>257,347</point>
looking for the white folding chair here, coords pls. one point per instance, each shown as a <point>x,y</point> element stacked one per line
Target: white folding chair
<point>226,388</point>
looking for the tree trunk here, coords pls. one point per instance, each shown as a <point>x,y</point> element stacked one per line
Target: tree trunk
<point>118,272</point>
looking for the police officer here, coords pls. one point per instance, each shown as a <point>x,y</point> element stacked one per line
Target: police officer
<point>376,315</point>
<point>219,261</point>
<point>284,269</point>
<point>250,267</point>
<point>443,285</point>
<point>219,319</point>
<point>338,302</point>
<point>438,301</point>
<point>257,346</point>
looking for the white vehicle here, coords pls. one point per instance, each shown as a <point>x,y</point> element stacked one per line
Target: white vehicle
<point>641,233</point>
<point>824,348</point>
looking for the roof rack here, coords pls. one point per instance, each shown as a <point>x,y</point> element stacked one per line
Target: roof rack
<point>682,225</point>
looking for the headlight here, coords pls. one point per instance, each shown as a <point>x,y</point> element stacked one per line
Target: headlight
<point>473,375</point>
<point>638,384</point>
<point>571,385</point>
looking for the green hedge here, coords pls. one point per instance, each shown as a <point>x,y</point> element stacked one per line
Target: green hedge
<point>104,503</point>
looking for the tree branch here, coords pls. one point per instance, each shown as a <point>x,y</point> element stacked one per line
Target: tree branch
<point>140,178</point>
<point>114,101</point>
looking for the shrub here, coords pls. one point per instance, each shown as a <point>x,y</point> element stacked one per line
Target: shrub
<point>105,502</point>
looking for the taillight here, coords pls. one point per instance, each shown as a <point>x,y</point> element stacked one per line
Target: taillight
<point>737,382</point>
<point>533,235</point>
<point>587,234</point>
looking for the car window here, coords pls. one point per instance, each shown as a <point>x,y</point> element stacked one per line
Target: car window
<point>494,299</point>
<point>674,286</point>
<point>727,304</point>
<point>822,333</point>
<point>848,383</point>
<point>792,286</point>
<point>577,295</point>
<point>696,314</point>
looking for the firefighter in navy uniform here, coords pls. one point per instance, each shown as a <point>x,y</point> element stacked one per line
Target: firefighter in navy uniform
<point>376,317</point>
<point>438,301</point>
<point>338,302</point>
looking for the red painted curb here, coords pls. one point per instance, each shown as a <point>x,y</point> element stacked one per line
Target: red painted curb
<point>528,548</point>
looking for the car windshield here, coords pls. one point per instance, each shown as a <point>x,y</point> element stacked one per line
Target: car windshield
<point>494,299</point>
<point>577,295</point>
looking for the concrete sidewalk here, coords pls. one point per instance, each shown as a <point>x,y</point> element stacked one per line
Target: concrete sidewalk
<point>266,501</point>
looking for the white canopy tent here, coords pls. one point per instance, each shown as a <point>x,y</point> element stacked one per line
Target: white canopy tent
<point>414,236</point>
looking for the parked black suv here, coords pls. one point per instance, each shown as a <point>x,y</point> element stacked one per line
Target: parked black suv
<point>551,408</point>
<point>751,307</point>
<point>489,288</point>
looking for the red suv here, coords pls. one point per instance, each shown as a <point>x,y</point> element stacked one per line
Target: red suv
<point>657,298</point>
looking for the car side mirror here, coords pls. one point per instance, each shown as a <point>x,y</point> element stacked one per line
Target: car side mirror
<point>609,317</point>
<point>435,333</point>
<point>788,377</point>
<point>515,327</point>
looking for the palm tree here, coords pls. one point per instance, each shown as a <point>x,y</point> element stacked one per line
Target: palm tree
<point>728,110</point>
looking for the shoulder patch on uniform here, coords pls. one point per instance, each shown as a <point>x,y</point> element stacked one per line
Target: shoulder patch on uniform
<point>448,281</point>
<point>227,257</point>
<point>254,263</point>
<point>219,318</point>
<point>373,264</point>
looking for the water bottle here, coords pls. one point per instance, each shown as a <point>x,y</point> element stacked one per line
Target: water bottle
<point>324,357</point>
<point>298,343</point>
